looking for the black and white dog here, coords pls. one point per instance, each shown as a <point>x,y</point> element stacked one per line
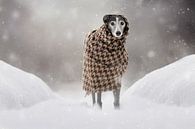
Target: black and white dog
<point>116,24</point>
<point>106,58</point>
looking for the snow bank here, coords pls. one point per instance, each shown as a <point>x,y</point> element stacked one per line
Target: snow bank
<point>20,89</point>
<point>173,84</point>
<point>136,112</point>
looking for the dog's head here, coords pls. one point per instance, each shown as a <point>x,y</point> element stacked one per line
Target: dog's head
<point>117,25</point>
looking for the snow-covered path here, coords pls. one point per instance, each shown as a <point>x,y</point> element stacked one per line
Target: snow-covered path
<point>136,114</point>
<point>161,100</point>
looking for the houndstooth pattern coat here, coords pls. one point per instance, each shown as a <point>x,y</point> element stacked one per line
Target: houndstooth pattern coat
<point>105,61</point>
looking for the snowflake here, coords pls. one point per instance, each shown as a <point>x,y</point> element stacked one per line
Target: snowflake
<point>15,14</point>
<point>12,57</point>
<point>69,35</point>
<point>154,9</point>
<point>2,22</point>
<point>74,13</point>
<point>151,54</point>
<point>5,37</point>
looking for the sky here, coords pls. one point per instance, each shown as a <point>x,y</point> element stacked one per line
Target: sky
<point>46,37</point>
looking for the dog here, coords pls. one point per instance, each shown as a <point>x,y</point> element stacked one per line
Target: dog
<point>106,59</point>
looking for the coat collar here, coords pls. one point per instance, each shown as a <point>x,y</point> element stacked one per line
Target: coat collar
<point>103,34</point>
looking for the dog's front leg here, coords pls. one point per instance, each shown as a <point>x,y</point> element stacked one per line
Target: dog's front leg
<point>93,98</point>
<point>116,94</point>
<point>99,99</point>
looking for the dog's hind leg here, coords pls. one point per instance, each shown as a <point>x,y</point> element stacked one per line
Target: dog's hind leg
<point>93,98</point>
<point>116,94</point>
<point>99,99</point>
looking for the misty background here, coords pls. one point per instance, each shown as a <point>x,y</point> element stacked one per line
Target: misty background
<point>45,37</point>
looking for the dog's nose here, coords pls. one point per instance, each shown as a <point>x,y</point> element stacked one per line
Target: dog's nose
<point>118,33</point>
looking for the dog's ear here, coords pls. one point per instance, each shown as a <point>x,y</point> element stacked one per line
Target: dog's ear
<point>127,24</point>
<point>106,18</point>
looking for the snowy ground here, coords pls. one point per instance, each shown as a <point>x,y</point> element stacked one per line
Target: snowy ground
<point>161,100</point>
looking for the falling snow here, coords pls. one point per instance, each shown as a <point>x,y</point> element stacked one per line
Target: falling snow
<point>5,37</point>
<point>151,54</point>
<point>15,14</point>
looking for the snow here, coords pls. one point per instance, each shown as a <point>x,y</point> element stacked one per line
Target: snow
<point>151,54</point>
<point>15,14</point>
<point>160,100</point>
<point>173,84</point>
<point>5,37</point>
<point>19,89</point>
<point>137,113</point>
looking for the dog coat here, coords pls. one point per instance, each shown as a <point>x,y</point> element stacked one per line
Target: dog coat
<point>105,61</point>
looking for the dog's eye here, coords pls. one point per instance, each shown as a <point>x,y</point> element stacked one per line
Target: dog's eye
<point>122,23</point>
<point>112,23</point>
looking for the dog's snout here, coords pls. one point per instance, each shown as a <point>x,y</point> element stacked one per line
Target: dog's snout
<point>118,33</point>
